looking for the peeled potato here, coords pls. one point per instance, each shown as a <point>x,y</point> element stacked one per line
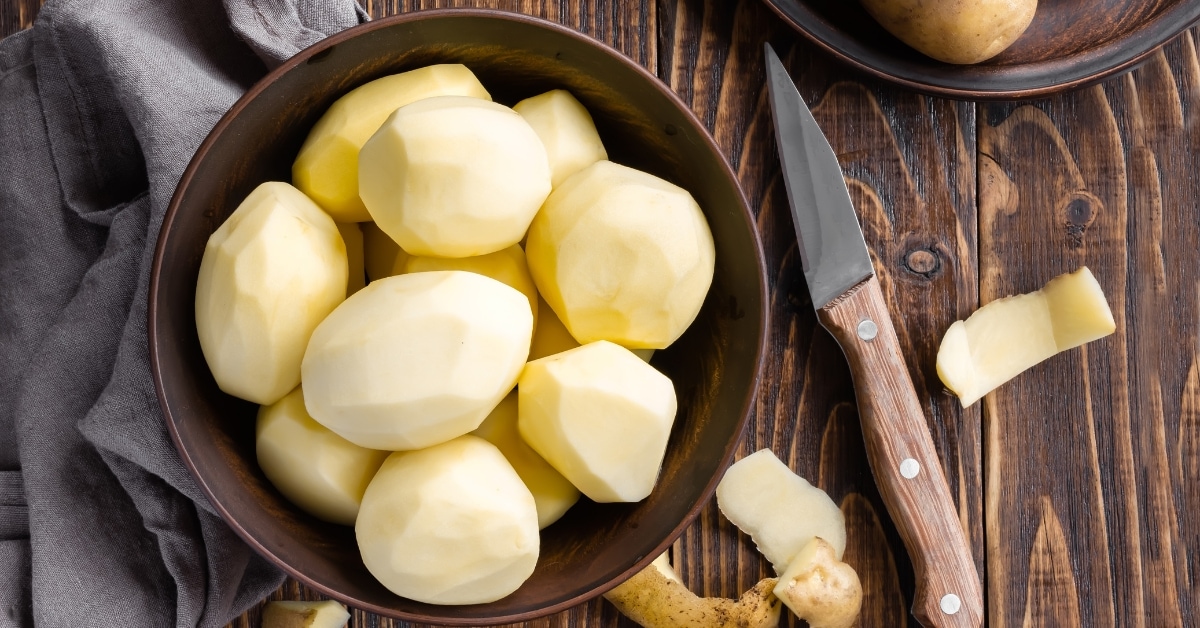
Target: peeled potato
<point>780,510</point>
<point>550,336</point>
<point>1008,336</point>
<point>415,360</point>
<point>352,236</point>
<point>382,257</point>
<point>450,524</point>
<point>955,31</point>
<point>319,471</point>
<point>453,176</point>
<point>621,255</point>
<point>566,130</point>
<point>552,493</point>
<point>506,266</point>
<point>600,416</point>
<point>327,167</point>
<point>269,275</point>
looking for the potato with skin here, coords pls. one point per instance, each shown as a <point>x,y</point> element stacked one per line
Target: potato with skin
<point>270,273</point>
<point>566,130</point>
<point>449,524</point>
<point>955,31</point>
<point>655,597</point>
<point>552,493</point>
<point>327,167</point>
<point>600,416</point>
<point>453,176</point>
<point>819,588</point>
<point>621,255</point>
<point>319,471</point>
<point>415,360</point>
<point>1008,336</point>
<point>506,266</point>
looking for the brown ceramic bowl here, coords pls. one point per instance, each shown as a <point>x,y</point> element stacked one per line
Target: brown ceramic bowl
<point>715,365</point>
<point>1069,44</point>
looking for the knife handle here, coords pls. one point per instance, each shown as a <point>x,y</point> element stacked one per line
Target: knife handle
<point>904,461</point>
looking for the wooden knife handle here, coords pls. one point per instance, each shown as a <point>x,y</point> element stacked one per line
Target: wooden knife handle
<point>904,460</point>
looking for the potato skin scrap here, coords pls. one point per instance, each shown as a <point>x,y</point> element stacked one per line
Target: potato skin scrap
<point>655,600</point>
<point>324,614</point>
<point>819,588</point>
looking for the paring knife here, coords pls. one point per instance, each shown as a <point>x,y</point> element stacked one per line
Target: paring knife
<point>850,305</point>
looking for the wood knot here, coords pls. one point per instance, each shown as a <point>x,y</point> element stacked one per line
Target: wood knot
<point>1078,214</point>
<point>921,262</point>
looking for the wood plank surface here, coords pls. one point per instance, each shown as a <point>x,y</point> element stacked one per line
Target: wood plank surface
<point>1078,482</point>
<point>1091,456</point>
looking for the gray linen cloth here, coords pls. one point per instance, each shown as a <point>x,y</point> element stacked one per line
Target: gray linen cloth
<point>102,104</point>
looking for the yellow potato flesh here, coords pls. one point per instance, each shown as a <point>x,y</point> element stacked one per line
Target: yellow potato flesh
<point>552,493</point>
<point>415,360</point>
<point>566,130</point>
<point>327,166</point>
<point>506,266</point>
<point>550,336</point>
<point>452,176</point>
<point>449,524</point>
<point>270,273</point>
<point>600,416</point>
<point>1008,336</point>
<point>352,235</point>
<point>319,471</point>
<point>780,510</point>
<point>382,257</point>
<point>621,255</point>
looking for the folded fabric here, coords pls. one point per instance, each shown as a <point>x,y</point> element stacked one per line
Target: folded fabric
<point>102,104</point>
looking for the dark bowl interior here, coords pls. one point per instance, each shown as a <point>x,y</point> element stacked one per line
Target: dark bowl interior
<point>1069,44</point>
<point>715,366</point>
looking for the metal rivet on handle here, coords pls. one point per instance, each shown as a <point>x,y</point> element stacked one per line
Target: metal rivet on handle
<point>951,604</point>
<point>867,330</point>
<point>909,468</point>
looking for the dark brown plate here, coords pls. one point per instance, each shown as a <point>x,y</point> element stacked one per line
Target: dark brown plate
<point>715,365</point>
<point>1070,44</point>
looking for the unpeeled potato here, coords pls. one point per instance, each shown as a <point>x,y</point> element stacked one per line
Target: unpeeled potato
<point>955,31</point>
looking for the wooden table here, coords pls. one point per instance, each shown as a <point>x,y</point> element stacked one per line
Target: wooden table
<point>1079,482</point>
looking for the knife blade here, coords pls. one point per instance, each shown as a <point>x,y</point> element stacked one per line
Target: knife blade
<point>850,305</point>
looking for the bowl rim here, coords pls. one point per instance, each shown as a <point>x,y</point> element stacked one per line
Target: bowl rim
<point>1077,71</point>
<point>153,312</point>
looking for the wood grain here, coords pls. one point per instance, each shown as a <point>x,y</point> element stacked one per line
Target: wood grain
<point>16,15</point>
<point>1091,443</point>
<point>910,161</point>
<point>1081,478</point>
<point>893,425</point>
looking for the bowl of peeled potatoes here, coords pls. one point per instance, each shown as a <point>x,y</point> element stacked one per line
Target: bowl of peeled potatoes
<point>457,317</point>
<point>990,49</point>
